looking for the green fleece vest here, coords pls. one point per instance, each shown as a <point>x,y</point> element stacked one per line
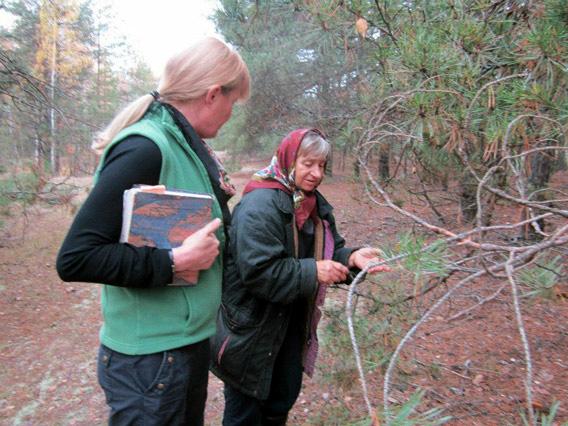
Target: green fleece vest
<point>143,321</point>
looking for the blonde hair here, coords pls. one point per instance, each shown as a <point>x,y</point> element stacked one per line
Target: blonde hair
<point>314,145</point>
<point>187,76</point>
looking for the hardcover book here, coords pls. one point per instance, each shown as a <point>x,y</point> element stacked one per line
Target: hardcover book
<point>157,217</point>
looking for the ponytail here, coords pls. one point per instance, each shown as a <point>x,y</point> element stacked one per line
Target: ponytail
<point>187,76</point>
<point>129,115</point>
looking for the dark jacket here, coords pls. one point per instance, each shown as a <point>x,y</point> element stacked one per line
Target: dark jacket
<point>262,280</point>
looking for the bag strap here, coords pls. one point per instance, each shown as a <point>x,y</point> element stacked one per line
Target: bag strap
<point>318,238</point>
<point>296,237</point>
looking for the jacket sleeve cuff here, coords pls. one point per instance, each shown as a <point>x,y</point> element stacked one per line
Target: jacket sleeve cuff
<point>165,273</point>
<point>342,255</point>
<point>309,280</point>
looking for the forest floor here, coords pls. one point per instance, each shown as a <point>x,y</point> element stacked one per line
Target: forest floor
<point>472,367</point>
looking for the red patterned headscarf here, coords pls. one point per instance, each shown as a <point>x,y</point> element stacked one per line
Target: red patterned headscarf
<point>280,175</point>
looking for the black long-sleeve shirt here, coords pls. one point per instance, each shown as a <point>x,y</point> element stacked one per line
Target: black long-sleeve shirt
<point>91,251</point>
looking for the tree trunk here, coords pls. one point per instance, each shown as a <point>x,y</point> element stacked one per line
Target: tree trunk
<point>468,204</point>
<point>37,151</point>
<point>329,164</point>
<point>384,162</point>
<point>542,167</point>
<point>54,155</point>
<point>500,180</point>
<point>343,157</point>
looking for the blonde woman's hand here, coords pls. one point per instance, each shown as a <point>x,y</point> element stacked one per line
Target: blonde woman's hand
<point>362,257</point>
<point>198,251</point>
<point>330,272</point>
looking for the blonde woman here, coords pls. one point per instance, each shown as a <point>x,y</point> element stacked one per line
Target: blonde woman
<point>154,353</point>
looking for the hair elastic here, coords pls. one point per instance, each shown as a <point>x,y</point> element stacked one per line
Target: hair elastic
<point>155,94</point>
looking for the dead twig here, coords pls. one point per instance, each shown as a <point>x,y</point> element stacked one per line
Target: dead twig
<point>477,305</point>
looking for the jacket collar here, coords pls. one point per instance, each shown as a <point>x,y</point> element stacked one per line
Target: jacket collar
<point>285,204</point>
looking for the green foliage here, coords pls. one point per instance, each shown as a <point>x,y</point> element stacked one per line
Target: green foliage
<point>22,187</point>
<point>557,12</point>
<point>541,277</point>
<point>349,134</point>
<point>455,56</point>
<point>341,370</point>
<point>377,327</point>
<point>548,39</point>
<point>433,159</point>
<point>545,419</point>
<point>299,77</point>
<point>377,331</point>
<point>419,258</point>
<point>407,414</point>
<point>237,140</point>
<point>425,51</point>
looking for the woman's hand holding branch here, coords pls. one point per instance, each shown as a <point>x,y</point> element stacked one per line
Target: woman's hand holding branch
<point>330,272</point>
<point>362,257</point>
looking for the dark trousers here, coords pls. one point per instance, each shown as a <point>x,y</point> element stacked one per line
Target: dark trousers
<point>241,409</point>
<point>164,388</point>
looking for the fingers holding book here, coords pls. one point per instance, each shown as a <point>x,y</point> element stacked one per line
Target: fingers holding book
<point>198,251</point>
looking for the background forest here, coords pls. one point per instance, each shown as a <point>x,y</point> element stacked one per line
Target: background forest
<point>449,114</point>
<point>422,82</point>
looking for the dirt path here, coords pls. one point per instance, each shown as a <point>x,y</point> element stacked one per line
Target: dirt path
<point>473,367</point>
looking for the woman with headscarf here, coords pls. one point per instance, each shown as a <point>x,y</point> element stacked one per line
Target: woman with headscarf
<point>284,251</point>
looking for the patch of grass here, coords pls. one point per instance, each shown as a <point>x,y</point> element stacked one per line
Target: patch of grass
<point>335,415</point>
<point>399,202</point>
<point>373,338</point>
<point>408,414</point>
<point>546,419</point>
<point>341,370</point>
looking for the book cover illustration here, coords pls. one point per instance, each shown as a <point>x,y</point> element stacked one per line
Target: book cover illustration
<point>165,220</point>
<point>155,217</point>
